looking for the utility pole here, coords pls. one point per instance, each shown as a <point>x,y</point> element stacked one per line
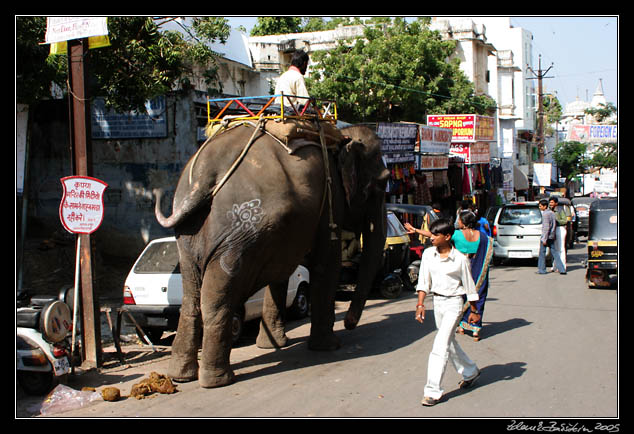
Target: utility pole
<point>80,140</point>
<point>539,137</point>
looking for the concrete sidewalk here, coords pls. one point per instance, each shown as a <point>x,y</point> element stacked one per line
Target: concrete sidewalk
<point>139,361</point>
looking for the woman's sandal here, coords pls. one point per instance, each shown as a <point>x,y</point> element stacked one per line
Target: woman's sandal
<point>476,338</point>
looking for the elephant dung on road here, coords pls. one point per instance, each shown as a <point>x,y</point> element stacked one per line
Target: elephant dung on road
<point>272,213</point>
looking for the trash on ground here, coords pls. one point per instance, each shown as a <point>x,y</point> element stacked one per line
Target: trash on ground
<point>64,398</point>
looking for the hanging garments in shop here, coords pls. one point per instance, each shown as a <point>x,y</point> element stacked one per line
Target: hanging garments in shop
<point>466,182</point>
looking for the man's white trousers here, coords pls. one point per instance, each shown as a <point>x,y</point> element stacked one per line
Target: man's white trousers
<point>447,313</point>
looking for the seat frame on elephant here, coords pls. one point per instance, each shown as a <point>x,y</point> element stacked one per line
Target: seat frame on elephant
<point>261,107</point>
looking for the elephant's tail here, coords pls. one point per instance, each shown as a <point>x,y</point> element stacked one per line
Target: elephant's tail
<point>163,221</point>
<point>179,214</point>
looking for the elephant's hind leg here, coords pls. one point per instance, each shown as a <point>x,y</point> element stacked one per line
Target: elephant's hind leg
<point>217,298</point>
<point>183,364</point>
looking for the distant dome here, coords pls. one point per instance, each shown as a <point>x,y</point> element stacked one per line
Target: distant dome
<point>576,108</point>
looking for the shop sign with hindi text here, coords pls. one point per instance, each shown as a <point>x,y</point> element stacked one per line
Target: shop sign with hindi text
<point>466,128</point>
<point>434,140</point>
<point>397,141</point>
<point>471,153</point>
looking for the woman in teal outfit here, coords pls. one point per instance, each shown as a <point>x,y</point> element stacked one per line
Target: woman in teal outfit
<point>478,247</point>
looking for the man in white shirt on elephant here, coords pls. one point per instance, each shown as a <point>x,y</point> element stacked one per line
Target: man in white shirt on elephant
<point>292,81</point>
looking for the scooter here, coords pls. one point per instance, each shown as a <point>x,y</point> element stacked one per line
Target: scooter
<point>43,345</point>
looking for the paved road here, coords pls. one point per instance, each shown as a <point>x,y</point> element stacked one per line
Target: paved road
<point>549,350</point>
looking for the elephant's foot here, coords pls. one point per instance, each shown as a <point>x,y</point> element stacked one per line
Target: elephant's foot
<point>210,378</point>
<point>350,321</point>
<point>182,372</point>
<point>268,339</point>
<point>327,342</point>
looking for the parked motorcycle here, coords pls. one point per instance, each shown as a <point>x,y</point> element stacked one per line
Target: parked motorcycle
<point>43,346</point>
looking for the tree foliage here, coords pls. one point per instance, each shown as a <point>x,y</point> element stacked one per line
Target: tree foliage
<point>605,156</point>
<point>603,112</point>
<point>570,158</point>
<point>396,71</point>
<point>141,63</point>
<point>35,71</point>
<point>552,113</point>
<point>276,26</point>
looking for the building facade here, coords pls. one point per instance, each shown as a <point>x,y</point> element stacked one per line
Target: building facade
<point>509,56</point>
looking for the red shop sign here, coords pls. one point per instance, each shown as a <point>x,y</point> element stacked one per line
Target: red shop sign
<point>81,208</point>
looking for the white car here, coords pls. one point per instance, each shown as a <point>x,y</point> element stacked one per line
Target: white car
<point>153,292</point>
<point>517,230</point>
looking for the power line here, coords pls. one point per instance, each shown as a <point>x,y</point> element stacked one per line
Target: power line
<point>409,89</point>
<point>586,73</point>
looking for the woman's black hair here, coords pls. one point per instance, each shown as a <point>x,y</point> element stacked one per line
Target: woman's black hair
<point>469,219</point>
<point>442,226</point>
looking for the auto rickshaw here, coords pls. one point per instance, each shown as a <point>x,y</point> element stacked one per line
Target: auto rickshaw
<point>582,206</point>
<point>602,242</point>
<point>419,216</point>
<point>390,279</point>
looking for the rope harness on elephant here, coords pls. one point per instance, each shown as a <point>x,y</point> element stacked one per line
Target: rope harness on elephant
<point>236,163</point>
<point>328,192</point>
<point>226,124</point>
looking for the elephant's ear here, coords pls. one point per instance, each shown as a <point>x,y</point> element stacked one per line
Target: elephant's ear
<point>348,167</point>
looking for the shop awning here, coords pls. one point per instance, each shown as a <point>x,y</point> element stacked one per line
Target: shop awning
<point>520,181</point>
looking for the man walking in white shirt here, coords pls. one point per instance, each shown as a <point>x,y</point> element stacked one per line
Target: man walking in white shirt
<point>292,81</point>
<point>445,273</point>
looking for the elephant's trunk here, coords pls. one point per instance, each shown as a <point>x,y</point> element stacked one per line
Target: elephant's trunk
<point>374,233</point>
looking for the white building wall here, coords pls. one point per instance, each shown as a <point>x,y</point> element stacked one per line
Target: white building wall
<point>473,48</point>
<point>504,37</point>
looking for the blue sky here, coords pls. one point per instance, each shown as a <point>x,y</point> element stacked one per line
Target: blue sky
<point>582,49</point>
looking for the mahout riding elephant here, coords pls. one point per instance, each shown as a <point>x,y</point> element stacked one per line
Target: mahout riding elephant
<point>272,213</point>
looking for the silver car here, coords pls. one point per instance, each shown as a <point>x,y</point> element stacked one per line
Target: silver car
<point>517,230</point>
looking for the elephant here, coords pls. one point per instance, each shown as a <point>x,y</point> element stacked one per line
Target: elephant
<point>277,209</point>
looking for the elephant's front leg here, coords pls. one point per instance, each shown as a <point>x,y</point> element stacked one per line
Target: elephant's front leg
<point>271,333</point>
<point>217,314</point>
<point>324,277</point>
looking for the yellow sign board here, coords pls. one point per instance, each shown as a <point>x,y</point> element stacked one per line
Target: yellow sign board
<point>93,42</point>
